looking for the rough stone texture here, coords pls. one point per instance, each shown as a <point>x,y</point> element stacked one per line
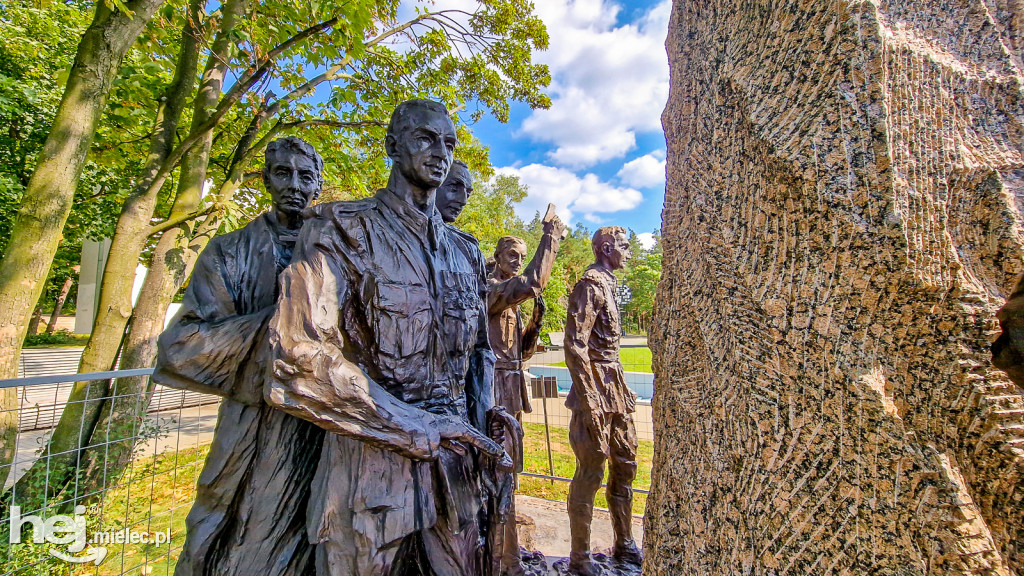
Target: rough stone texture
<point>841,224</point>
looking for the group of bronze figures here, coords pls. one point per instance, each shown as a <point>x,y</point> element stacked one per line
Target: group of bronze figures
<point>371,370</point>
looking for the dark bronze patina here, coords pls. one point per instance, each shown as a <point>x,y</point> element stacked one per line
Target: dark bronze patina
<point>218,344</point>
<point>601,428</point>
<point>512,342</point>
<point>453,195</point>
<point>1008,349</point>
<point>380,338</point>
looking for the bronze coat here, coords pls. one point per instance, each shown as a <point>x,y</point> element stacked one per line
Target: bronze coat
<point>249,513</point>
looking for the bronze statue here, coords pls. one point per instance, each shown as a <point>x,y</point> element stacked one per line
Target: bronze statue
<point>512,342</point>
<point>454,193</point>
<point>601,427</point>
<point>379,338</point>
<point>218,344</point>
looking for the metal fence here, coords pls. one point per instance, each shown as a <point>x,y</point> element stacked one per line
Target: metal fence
<point>131,515</point>
<point>149,499</point>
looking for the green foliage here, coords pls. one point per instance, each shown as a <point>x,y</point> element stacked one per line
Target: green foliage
<point>62,337</point>
<point>490,212</point>
<point>642,275</point>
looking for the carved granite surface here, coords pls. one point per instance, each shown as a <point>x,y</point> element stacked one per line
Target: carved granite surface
<point>841,223</point>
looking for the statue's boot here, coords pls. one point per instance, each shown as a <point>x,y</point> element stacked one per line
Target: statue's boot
<point>581,564</point>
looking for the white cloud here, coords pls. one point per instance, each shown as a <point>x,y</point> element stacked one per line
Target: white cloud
<point>644,172</point>
<point>572,194</point>
<point>609,83</point>
<point>646,240</point>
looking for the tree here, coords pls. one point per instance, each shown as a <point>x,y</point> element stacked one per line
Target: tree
<point>490,212</point>
<point>44,207</point>
<point>370,61</point>
<point>642,274</point>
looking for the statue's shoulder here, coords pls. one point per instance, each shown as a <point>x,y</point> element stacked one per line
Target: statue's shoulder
<point>231,243</point>
<point>463,236</point>
<point>593,274</point>
<point>340,210</point>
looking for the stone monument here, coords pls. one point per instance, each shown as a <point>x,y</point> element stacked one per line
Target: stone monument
<point>218,344</point>
<point>601,428</point>
<point>841,225</point>
<point>379,338</point>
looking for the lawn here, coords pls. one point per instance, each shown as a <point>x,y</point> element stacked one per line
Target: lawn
<point>158,492</point>
<point>536,461</point>
<point>633,359</point>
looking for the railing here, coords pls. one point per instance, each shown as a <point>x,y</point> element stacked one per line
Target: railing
<point>147,499</point>
<point>156,489</point>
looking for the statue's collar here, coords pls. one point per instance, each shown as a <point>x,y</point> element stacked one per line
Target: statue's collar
<point>409,214</point>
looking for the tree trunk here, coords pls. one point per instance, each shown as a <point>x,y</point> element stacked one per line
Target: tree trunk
<point>121,419</point>
<point>59,305</point>
<point>82,410</point>
<point>47,201</point>
<point>33,324</point>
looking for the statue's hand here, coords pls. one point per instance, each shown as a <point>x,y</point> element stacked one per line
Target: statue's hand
<point>553,224</point>
<point>539,307</point>
<point>453,429</point>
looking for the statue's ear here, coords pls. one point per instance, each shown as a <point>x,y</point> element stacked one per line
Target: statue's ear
<point>389,146</point>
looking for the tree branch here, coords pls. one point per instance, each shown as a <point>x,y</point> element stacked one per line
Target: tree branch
<point>171,223</point>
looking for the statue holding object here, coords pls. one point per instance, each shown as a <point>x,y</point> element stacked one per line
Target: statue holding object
<point>512,341</point>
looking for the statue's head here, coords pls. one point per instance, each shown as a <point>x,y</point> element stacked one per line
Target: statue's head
<point>420,141</point>
<point>509,255</point>
<point>611,247</point>
<point>454,193</point>
<point>293,174</point>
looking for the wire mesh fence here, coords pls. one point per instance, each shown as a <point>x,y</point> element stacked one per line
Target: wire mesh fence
<point>549,463</point>
<point>115,502</point>
<point>128,486</point>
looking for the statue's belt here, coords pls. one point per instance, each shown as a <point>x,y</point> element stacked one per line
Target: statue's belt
<point>508,365</point>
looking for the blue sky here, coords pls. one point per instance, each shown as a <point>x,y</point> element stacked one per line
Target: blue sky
<point>598,153</point>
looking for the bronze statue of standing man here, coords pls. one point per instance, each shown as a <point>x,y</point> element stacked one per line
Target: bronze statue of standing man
<point>218,344</point>
<point>378,338</point>
<point>601,428</point>
<point>512,341</point>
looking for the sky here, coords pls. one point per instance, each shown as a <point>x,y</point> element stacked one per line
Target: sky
<point>599,152</point>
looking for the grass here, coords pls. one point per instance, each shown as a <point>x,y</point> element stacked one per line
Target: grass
<point>157,493</point>
<point>633,359</point>
<point>536,461</point>
<point>59,339</point>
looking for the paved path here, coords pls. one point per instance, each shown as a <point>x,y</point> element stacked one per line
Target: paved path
<point>551,535</point>
<point>190,428</point>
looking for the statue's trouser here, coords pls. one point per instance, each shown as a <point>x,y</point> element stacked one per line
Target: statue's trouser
<point>596,438</point>
<point>440,550</point>
<point>258,454</point>
<point>510,548</point>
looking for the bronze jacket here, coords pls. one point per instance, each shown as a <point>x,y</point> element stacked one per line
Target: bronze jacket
<point>217,344</point>
<point>380,313</point>
<point>511,341</point>
<point>592,333</point>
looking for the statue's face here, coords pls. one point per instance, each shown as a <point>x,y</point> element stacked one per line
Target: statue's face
<point>454,193</point>
<point>510,260</point>
<point>618,253</point>
<point>292,180</point>
<point>422,147</point>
